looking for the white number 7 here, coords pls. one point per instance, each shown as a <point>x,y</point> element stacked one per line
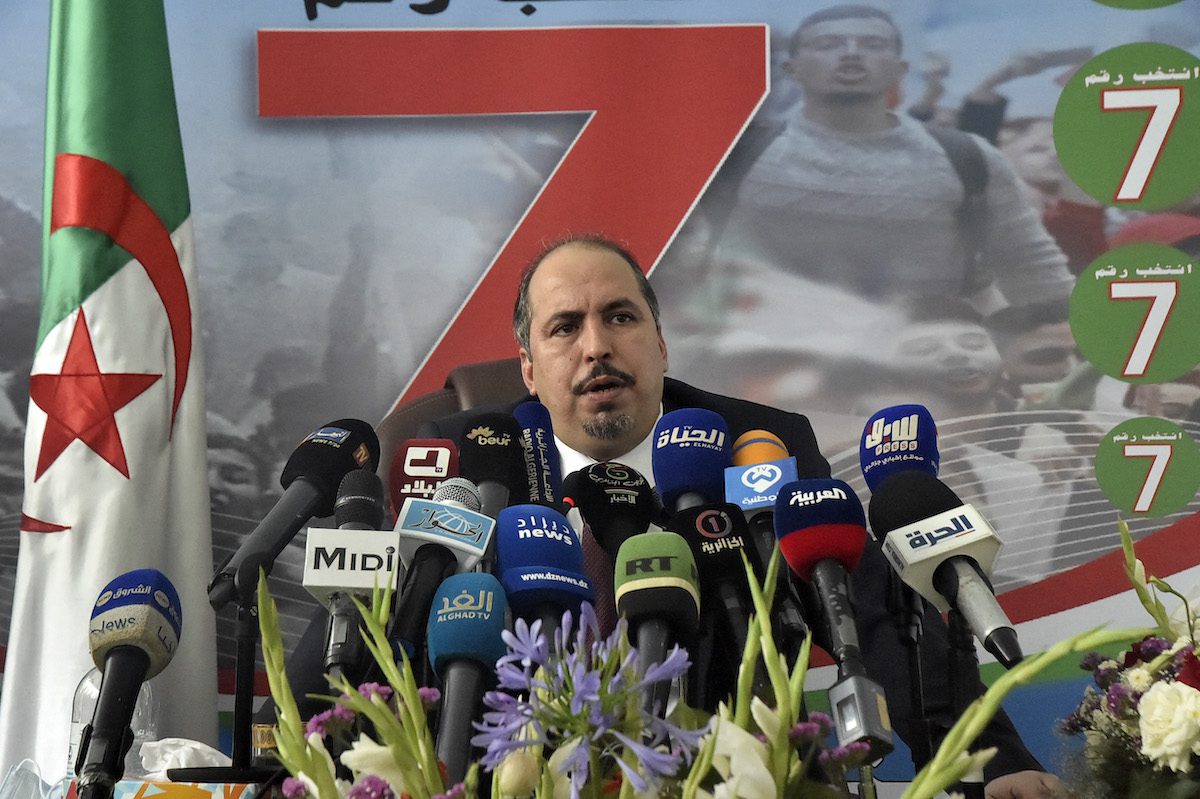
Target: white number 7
<point>1162,294</point>
<point>1162,456</point>
<point>1164,103</point>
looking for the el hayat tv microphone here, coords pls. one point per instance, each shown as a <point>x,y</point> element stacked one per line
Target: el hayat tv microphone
<point>464,629</point>
<point>490,457</point>
<point>943,549</point>
<point>691,451</point>
<point>539,562</point>
<point>419,468</point>
<point>822,534</point>
<point>899,438</point>
<point>539,454</point>
<point>310,482</point>
<point>133,635</point>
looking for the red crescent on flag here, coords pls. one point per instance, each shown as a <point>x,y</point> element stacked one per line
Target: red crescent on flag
<point>32,525</point>
<point>91,194</point>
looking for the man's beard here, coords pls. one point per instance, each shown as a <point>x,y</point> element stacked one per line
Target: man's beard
<point>608,426</point>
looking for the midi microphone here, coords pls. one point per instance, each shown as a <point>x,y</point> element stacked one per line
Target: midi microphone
<point>133,634</point>
<point>419,468</point>
<point>944,550</point>
<point>657,593</point>
<point>465,622</point>
<point>690,454</point>
<point>490,457</point>
<point>539,562</point>
<point>539,454</point>
<point>900,438</point>
<point>822,533</point>
<point>310,482</point>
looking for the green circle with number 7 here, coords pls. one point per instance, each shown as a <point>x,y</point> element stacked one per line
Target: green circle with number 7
<point>1127,126</point>
<point>1148,466</point>
<point>1135,313</point>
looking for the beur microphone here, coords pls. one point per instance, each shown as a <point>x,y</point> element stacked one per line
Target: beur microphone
<point>490,457</point>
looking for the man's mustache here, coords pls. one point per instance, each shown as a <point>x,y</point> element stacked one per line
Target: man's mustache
<point>602,369</point>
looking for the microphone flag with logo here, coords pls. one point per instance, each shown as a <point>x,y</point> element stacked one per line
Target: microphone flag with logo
<point>539,453</point>
<point>540,564</point>
<point>691,451</point>
<point>419,468</point>
<point>490,456</point>
<point>899,438</point>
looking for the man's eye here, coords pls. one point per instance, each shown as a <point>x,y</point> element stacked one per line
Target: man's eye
<point>623,318</point>
<point>565,329</point>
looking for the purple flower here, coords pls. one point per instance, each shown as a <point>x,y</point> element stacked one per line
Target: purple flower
<point>294,788</point>
<point>1092,660</point>
<point>371,786</point>
<point>526,644</point>
<point>661,764</point>
<point>1106,674</point>
<point>1117,698</point>
<point>369,689</point>
<point>676,663</point>
<point>805,732</point>
<point>428,696</point>
<point>455,792</point>
<point>848,756</point>
<point>335,721</point>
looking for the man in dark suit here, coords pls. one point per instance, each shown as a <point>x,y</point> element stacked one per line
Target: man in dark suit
<point>592,352</point>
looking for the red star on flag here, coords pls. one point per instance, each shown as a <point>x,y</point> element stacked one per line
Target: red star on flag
<point>80,403</point>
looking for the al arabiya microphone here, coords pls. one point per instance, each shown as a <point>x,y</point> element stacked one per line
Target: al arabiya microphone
<point>539,562</point>
<point>133,634</point>
<point>464,639</point>
<point>691,451</point>
<point>419,468</point>
<point>943,549</point>
<point>539,454</point>
<point>310,482</point>
<point>822,533</point>
<point>490,457</point>
<point>899,438</point>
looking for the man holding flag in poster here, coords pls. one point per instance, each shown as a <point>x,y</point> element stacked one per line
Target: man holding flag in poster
<point>114,453</point>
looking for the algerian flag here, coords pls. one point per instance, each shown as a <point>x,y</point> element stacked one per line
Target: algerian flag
<point>115,472</point>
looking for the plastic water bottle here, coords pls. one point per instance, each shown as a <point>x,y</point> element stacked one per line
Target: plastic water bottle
<point>144,723</point>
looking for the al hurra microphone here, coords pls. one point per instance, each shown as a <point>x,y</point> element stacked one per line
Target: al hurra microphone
<point>490,457</point>
<point>691,451</point>
<point>539,454</point>
<point>418,469</point>
<point>944,550</point>
<point>822,533</point>
<point>539,562</point>
<point>465,622</point>
<point>310,481</point>
<point>133,634</point>
<point>900,438</point>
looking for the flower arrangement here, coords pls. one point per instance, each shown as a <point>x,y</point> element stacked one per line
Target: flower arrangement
<point>1140,719</point>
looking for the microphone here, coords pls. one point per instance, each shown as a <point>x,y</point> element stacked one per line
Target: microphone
<point>540,564</point>
<point>658,595</point>
<point>418,469</point>
<point>490,456</point>
<point>436,539</point>
<point>822,534</point>
<point>943,549</point>
<point>133,634</point>
<point>615,501</point>
<point>310,481</point>
<point>539,453</point>
<point>690,453</point>
<point>900,438</point>
<point>464,640</point>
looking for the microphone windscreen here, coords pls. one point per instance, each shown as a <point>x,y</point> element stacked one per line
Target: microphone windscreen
<point>907,498</point>
<point>614,499</point>
<point>819,519</point>
<point>141,609</point>
<point>691,451</point>
<point>466,621</point>
<point>539,559</point>
<point>359,501</point>
<point>418,467</point>
<point>328,453</point>
<point>655,578</point>
<point>539,453</point>
<point>459,491</point>
<point>900,438</point>
<point>757,446</point>
<point>490,451</point>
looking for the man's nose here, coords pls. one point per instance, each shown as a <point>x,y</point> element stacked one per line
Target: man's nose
<point>597,344</point>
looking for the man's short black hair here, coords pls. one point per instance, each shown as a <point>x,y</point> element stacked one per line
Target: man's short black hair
<point>523,312</point>
<point>848,11</point>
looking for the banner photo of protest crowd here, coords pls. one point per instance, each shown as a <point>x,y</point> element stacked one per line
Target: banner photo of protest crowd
<point>1015,248</point>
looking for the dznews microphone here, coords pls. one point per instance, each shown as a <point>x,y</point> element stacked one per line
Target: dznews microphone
<point>310,482</point>
<point>133,634</point>
<point>614,499</point>
<point>690,454</point>
<point>822,534</point>
<point>944,550</point>
<point>490,457</point>
<point>464,639</point>
<point>437,538</point>
<point>539,454</point>
<point>540,564</point>
<point>900,438</point>
<point>419,468</point>
<point>657,593</point>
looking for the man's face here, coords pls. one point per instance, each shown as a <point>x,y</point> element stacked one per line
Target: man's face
<point>596,358</point>
<point>846,58</point>
<point>233,481</point>
<point>957,358</point>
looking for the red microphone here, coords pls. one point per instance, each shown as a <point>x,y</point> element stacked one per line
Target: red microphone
<point>418,469</point>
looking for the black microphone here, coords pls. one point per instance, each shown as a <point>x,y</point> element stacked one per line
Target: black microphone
<point>133,635</point>
<point>359,506</point>
<point>490,457</point>
<point>614,500</point>
<point>310,481</point>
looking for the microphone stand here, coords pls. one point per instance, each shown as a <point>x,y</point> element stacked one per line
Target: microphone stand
<point>964,680</point>
<point>908,610</point>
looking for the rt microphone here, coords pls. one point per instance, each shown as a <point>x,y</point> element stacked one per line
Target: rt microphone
<point>690,454</point>
<point>418,468</point>
<point>540,564</point>
<point>822,534</point>
<point>133,634</point>
<point>310,482</point>
<point>464,629</point>
<point>539,454</point>
<point>900,438</point>
<point>943,549</point>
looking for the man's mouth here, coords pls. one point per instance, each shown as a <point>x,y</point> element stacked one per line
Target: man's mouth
<point>603,383</point>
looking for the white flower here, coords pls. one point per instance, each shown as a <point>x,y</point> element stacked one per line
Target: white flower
<point>367,757</point>
<point>766,718</point>
<point>741,759</point>
<point>316,743</point>
<point>1170,725</point>
<point>1138,679</point>
<point>1180,643</point>
<point>1107,665</point>
<point>519,773</point>
<point>1181,625</point>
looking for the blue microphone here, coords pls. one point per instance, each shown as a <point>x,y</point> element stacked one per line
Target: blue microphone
<point>900,438</point>
<point>464,640</point>
<point>539,453</point>
<point>540,563</point>
<point>691,451</point>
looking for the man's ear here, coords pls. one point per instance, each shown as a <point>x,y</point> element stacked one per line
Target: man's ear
<point>662,347</point>
<point>527,371</point>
